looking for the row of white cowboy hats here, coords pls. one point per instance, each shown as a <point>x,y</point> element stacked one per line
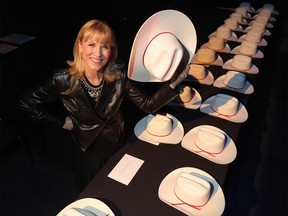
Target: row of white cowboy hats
<point>188,189</point>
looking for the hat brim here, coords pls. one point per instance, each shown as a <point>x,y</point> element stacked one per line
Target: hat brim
<point>194,103</point>
<point>225,157</point>
<point>226,48</point>
<point>259,54</point>
<point>174,137</point>
<point>247,89</point>
<point>240,117</point>
<point>94,205</point>
<point>262,42</point>
<point>215,205</point>
<point>266,32</point>
<point>232,38</point>
<point>252,70</point>
<point>171,21</point>
<point>217,62</point>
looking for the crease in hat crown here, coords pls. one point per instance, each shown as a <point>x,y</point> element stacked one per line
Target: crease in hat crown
<point>169,21</point>
<point>162,56</point>
<point>192,189</point>
<point>210,140</point>
<point>159,125</point>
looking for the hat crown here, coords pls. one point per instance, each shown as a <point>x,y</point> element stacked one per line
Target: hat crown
<point>216,43</point>
<point>234,79</point>
<point>192,189</point>
<point>197,71</point>
<point>253,36</point>
<point>248,48</point>
<point>231,23</point>
<point>258,26</point>
<point>185,96</point>
<point>210,140</point>
<point>225,104</point>
<point>223,32</point>
<point>162,55</point>
<point>206,55</point>
<point>159,125</point>
<point>236,16</point>
<point>241,62</point>
<point>242,10</point>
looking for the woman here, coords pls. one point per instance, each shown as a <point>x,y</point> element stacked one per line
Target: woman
<point>91,90</point>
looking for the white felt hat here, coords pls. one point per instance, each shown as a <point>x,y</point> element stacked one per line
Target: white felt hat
<point>208,57</point>
<point>224,32</point>
<point>87,204</point>
<point>211,143</point>
<point>193,192</point>
<point>164,40</point>
<point>226,107</point>
<point>234,81</point>
<point>200,73</point>
<point>218,44</point>
<point>248,48</point>
<point>189,98</point>
<point>241,63</point>
<point>253,36</point>
<point>159,128</point>
<point>233,25</point>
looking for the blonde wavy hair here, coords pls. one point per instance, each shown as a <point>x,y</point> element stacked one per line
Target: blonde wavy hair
<point>105,35</point>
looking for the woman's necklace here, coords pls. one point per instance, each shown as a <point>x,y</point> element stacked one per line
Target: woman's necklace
<point>93,91</point>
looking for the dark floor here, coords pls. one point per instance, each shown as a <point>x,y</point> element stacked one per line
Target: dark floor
<point>35,177</point>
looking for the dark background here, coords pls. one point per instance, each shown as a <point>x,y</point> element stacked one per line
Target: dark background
<point>35,175</point>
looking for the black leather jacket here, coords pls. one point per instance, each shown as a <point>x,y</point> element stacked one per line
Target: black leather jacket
<point>89,120</point>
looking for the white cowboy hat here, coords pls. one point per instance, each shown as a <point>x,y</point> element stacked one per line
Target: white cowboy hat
<point>233,25</point>
<point>218,44</point>
<point>248,48</point>
<point>95,206</point>
<point>159,128</point>
<point>244,12</point>
<point>208,57</point>
<point>239,18</point>
<point>270,7</point>
<point>262,19</point>
<point>193,192</point>
<point>258,26</point>
<point>211,143</point>
<point>226,107</point>
<point>248,6</point>
<point>253,36</point>
<point>162,42</point>
<point>241,63</point>
<point>224,32</point>
<point>234,81</point>
<point>200,73</point>
<point>189,98</point>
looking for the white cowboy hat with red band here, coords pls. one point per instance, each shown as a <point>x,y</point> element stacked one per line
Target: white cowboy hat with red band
<point>211,143</point>
<point>164,40</point>
<point>234,81</point>
<point>226,107</point>
<point>193,192</point>
<point>189,98</point>
<point>159,128</point>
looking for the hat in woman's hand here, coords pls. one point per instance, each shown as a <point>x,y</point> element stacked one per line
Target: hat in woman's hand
<point>163,41</point>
